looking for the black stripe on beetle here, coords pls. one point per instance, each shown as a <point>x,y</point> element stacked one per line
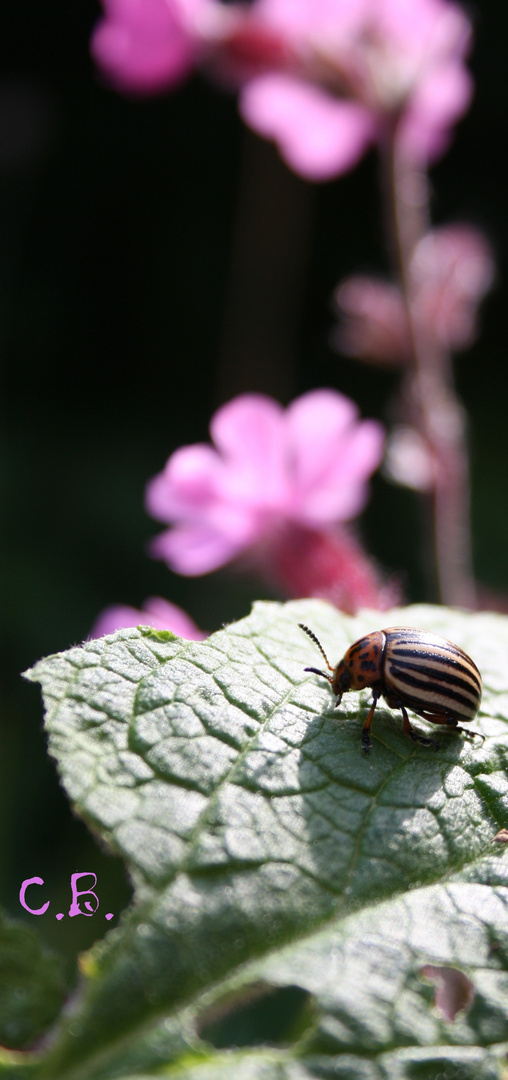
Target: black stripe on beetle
<point>453,675</point>
<point>405,683</point>
<point>436,665</point>
<point>412,669</point>
<point>443,656</point>
<point>421,676</point>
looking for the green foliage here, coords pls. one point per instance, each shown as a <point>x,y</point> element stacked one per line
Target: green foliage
<point>288,889</point>
<point>31,986</point>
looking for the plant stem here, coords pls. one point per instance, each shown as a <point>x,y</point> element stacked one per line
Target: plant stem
<point>436,412</point>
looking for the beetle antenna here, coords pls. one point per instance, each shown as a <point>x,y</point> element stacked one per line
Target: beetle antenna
<point>320,647</point>
<point>316,671</point>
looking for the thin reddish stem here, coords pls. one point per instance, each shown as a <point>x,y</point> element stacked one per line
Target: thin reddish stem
<point>436,411</point>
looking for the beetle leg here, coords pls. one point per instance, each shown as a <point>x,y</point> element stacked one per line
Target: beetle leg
<point>413,734</point>
<point>451,722</point>
<point>470,734</point>
<point>366,727</point>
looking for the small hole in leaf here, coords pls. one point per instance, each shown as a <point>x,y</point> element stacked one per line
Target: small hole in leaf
<point>261,1014</point>
<point>454,991</point>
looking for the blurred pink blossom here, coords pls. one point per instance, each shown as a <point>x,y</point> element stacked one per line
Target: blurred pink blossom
<point>358,67</point>
<point>273,488</point>
<point>156,612</point>
<point>324,79</point>
<point>451,270</point>
<point>373,321</point>
<point>308,463</point>
<point>317,136</point>
<point>146,46</point>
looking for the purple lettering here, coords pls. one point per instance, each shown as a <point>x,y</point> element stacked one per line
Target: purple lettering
<point>22,891</point>
<point>75,908</point>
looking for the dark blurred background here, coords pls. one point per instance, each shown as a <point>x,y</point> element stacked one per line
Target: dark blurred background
<point>155,260</point>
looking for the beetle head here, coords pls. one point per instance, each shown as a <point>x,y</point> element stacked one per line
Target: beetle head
<point>341,680</point>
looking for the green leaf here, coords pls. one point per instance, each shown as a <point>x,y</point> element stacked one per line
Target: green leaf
<point>31,986</point>
<point>289,889</point>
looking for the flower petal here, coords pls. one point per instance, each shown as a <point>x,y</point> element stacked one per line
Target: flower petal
<point>318,136</point>
<point>249,433</point>
<point>423,30</point>
<point>452,269</point>
<point>314,19</point>
<point>438,101</point>
<point>142,45</point>
<point>374,324</point>
<point>192,550</point>
<point>332,455</point>
<point>240,428</point>
<point>188,483</point>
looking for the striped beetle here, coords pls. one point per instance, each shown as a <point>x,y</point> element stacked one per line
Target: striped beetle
<point>412,669</point>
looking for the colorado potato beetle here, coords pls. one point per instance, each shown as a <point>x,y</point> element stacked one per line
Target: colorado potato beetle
<point>412,669</point>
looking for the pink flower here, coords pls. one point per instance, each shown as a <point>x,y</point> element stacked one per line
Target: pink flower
<point>307,464</point>
<point>275,488</point>
<point>146,46</point>
<point>356,67</point>
<point>156,612</point>
<point>451,270</point>
<point>324,78</point>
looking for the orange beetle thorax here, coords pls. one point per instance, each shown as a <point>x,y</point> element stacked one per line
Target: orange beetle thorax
<point>361,666</point>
